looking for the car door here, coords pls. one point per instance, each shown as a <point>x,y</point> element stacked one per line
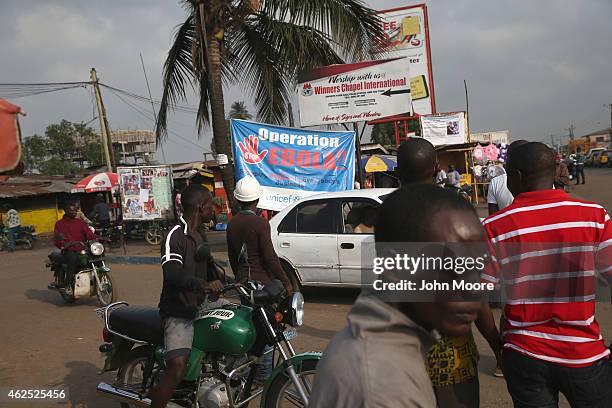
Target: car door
<point>355,244</point>
<point>307,238</point>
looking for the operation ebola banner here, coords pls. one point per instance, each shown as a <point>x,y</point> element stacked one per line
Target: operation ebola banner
<point>354,92</point>
<point>445,128</point>
<point>407,35</point>
<point>292,163</point>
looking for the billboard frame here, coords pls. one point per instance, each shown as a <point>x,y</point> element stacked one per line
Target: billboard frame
<point>428,50</point>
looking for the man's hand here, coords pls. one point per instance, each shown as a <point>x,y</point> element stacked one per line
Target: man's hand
<point>215,287</point>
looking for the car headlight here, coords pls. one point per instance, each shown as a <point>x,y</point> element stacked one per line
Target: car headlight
<point>96,249</point>
<point>297,309</point>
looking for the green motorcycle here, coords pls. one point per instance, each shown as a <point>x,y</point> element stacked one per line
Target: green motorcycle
<point>92,279</point>
<point>228,343</point>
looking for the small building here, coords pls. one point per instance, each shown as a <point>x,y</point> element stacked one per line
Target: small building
<point>600,138</point>
<point>135,146</point>
<point>37,198</point>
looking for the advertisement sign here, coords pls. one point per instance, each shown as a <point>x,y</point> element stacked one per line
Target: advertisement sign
<point>445,128</point>
<point>354,92</point>
<point>497,137</point>
<point>292,163</point>
<point>407,31</point>
<point>146,192</point>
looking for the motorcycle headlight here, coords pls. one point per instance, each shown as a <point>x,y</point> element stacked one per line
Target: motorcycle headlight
<point>96,249</point>
<point>297,309</point>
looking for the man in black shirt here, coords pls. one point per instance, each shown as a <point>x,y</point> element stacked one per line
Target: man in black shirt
<point>185,282</point>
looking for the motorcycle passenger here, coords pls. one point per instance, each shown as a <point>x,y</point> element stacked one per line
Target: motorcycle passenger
<point>100,213</point>
<point>454,178</point>
<point>13,223</point>
<point>69,234</point>
<point>250,250</point>
<point>185,281</point>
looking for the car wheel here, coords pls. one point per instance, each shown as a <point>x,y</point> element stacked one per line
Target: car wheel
<point>292,275</point>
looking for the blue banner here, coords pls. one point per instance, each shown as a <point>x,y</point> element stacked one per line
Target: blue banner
<point>292,163</point>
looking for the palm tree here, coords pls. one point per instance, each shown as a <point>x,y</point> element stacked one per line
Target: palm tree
<point>238,110</point>
<point>262,45</point>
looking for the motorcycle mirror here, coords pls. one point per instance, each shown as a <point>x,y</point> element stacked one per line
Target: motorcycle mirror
<point>202,252</point>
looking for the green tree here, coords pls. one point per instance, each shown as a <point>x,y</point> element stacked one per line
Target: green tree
<point>63,145</point>
<point>262,45</point>
<point>383,133</point>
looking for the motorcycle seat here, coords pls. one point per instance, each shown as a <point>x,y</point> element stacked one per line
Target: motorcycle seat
<point>56,256</point>
<point>138,322</point>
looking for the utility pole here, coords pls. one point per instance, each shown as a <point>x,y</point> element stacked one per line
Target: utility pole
<point>571,132</point>
<point>104,136</point>
<point>610,141</point>
<point>358,146</point>
<point>552,142</point>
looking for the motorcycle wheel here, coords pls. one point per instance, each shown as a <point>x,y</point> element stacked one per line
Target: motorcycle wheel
<point>282,392</point>
<point>131,372</point>
<point>153,236</point>
<point>107,293</point>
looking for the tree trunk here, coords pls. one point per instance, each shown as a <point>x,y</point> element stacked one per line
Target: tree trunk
<point>212,61</point>
<point>219,123</point>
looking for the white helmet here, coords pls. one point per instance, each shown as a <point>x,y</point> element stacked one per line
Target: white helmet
<point>248,189</point>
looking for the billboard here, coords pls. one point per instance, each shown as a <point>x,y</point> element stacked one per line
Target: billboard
<point>496,137</point>
<point>292,163</point>
<point>444,128</point>
<point>146,192</point>
<point>354,92</point>
<point>407,31</point>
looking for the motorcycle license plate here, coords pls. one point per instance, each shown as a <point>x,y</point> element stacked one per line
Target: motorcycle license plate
<point>290,334</point>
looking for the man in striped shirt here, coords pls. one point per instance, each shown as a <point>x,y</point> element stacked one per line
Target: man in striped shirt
<point>547,248</point>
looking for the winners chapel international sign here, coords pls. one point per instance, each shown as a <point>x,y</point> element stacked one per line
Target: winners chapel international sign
<point>354,92</point>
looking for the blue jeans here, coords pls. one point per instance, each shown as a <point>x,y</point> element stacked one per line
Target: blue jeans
<point>11,238</point>
<point>265,367</point>
<point>535,383</point>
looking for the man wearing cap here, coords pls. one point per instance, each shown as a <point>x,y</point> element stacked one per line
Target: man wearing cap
<point>250,250</point>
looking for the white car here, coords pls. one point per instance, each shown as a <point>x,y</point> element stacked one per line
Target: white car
<point>315,237</point>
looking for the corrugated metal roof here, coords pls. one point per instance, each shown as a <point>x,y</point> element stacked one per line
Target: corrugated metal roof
<point>25,186</point>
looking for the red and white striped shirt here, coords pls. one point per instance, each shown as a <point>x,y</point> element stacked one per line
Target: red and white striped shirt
<point>547,248</point>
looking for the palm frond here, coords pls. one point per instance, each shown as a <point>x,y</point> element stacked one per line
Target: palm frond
<point>178,73</point>
<point>350,23</point>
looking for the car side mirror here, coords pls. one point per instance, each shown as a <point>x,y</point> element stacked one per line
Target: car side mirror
<point>202,252</point>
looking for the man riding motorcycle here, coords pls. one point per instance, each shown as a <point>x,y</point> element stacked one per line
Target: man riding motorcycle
<point>187,277</point>
<point>69,234</point>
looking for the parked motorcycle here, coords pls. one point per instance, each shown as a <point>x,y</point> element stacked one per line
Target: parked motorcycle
<point>227,345</point>
<point>112,235</point>
<point>152,232</point>
<point>92,279</point>
<point>24,237</point>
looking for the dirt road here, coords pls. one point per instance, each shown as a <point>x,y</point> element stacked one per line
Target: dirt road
<point>46,343</point>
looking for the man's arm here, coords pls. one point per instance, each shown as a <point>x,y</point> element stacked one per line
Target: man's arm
<point>564,176</point>
<point>486,326</point>
<point>58,236</point>
<point>172,251</point>
<point>270,258</point>
<point>491,199</point>
<point>87,232</point>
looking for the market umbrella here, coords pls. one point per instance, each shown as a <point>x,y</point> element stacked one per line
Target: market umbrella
<point>378,162</point>
<point>96,182</point>
<point>9,136</point>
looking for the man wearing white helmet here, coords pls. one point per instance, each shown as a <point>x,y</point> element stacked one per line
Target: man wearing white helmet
<point>250,250</point>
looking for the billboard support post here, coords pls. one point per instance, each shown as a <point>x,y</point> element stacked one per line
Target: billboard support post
<point>358,148</point>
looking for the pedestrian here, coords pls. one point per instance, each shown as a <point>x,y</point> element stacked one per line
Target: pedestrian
<point>454,178</point>
<point>416,161</point>
<point>251,253</point>
<point>547,248</point>
<point>13,224</point>
<point>186,280</point>
<point>378,359</point>
<point>100,213</point>
<point>562,179</point>
<point>580,165</point>
<point>498,196</point>
<point>440,176</point>
<point>178,207</point>
<point>452,362</point>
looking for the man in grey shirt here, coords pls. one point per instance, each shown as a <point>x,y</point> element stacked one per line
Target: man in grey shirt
<point>377,360</point>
